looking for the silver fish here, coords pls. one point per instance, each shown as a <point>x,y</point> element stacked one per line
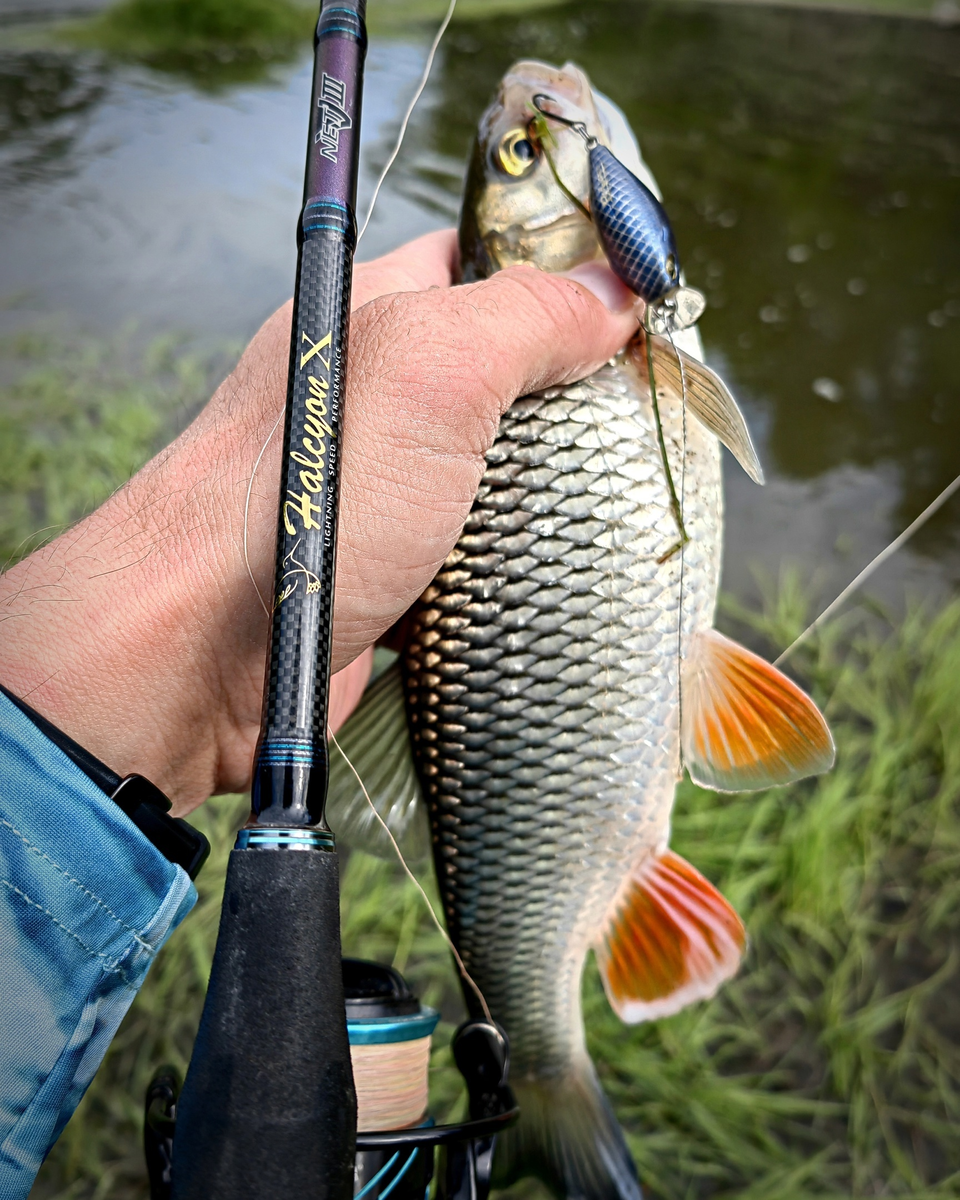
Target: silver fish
<point>562,669</point>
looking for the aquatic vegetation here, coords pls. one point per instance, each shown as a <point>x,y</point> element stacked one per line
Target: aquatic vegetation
<point>77,418</point>
<point>212,42</point>
<point>830,1066</point>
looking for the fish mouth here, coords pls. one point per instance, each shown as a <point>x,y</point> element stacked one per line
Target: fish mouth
<point>567,87</point>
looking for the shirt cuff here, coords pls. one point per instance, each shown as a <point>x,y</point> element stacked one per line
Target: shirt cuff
<point>86,901</point>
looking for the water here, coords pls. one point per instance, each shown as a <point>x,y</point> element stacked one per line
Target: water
<point>810,161</point>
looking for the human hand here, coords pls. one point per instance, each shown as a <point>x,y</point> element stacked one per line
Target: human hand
<point>139,631</point>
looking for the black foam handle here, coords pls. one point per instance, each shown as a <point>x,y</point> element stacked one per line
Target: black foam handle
<point>268,1109</point>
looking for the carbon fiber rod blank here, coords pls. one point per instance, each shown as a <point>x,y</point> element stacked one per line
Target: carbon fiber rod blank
<point>268,1109</point>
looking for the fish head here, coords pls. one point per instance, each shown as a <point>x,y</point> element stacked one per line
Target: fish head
<point>514,210</point>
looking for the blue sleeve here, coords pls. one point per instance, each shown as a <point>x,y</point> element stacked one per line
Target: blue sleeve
<point>85,904</point>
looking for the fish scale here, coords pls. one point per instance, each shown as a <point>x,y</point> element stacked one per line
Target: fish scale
<point>541,680</point>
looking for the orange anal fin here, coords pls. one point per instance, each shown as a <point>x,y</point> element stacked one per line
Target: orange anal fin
<point>745,725</point>
<point>673,939</point>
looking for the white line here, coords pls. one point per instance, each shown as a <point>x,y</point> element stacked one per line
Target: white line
<point>246,512</point>
<point>872,566</point>
<point>408,114</point>
<point>415,881</point>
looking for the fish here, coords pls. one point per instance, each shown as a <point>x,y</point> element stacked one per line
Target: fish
<point>562,671</point>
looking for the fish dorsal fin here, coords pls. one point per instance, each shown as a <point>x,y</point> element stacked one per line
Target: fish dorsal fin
<point>708,398</point>
<point>744,724</point>
<point>376,741</point>
<point>672,939</point>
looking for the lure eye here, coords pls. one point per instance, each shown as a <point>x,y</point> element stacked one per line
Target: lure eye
<point>671,265</point>
<point>515,154</point>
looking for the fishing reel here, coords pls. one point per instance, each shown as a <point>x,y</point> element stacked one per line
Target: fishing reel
<point>389,1033</point>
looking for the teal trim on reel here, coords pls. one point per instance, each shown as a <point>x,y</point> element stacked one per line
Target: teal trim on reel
<point>376,1031</point>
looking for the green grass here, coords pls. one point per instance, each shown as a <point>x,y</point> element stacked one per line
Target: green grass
<point>78,415</point>
<point>212,43</point>
<point>830,1067</point>
<point>217,44</point>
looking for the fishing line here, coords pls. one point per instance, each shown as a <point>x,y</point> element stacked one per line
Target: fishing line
<point>545,137</point>
<point>683,497</point>
<point>416,883</point>
<point>674,502</point>
<point>408,114</point>
<point>872,566</point>
<point>246,513</point>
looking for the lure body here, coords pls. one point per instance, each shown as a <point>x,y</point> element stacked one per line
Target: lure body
<point>634,229</point>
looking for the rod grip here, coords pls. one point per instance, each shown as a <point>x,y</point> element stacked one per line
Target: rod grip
<point>268,1109</point>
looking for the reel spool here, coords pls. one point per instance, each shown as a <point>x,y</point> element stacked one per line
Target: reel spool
<point>389,1033</point>
<point>390,1036</point>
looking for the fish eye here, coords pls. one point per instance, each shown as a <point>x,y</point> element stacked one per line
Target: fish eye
<point>516,154</point>
<point>671,265</point>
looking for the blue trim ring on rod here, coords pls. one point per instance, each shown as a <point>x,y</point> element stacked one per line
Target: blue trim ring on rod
<point>380,1030</point>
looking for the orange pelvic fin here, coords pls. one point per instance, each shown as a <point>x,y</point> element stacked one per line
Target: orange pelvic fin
<point>673,940</point>
<point>745,725</point>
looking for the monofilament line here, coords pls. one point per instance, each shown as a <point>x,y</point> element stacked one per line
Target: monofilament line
<point>872,566</point>
<point>246,513</point>
<point>428,67</point>
<point>683,557</point>
<point>416,883</point>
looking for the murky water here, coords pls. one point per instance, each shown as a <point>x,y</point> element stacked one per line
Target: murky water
<point>810,162</point>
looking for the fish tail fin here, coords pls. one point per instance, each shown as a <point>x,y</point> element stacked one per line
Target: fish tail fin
<point>568,1137</point>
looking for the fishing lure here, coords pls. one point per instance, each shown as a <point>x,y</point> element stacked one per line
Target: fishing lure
<point>634,230</point>
<point>638,240</point>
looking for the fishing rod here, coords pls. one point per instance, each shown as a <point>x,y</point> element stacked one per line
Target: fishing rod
<point>268,1108</point>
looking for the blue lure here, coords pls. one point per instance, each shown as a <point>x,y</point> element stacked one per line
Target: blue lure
<point>633,227</point>
<point>634,230</point>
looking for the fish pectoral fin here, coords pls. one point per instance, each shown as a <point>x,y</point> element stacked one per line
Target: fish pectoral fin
<point>376,742</point>
<point>709,399</point>
<point>744,724</point>
<point>672,940</point>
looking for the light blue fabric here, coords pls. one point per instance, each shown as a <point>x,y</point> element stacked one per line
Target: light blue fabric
<point>85,904</point>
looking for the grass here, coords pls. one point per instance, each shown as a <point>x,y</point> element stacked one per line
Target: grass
<point>217,44</point>
<point>213,43</point>
<point>78,415</point>
<point>830,1067</point>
